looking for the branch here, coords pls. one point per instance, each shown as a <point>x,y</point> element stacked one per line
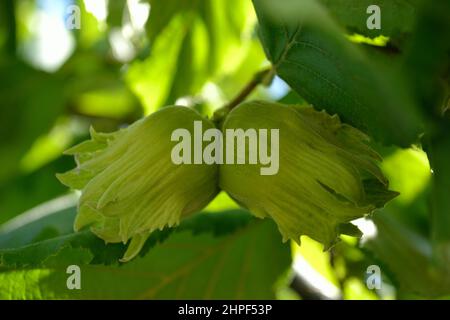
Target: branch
<point>263,77</point>
<point>257,79</point>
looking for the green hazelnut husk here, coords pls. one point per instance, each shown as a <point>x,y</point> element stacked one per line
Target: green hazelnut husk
<point>129,184</point>
<point>327,174</point>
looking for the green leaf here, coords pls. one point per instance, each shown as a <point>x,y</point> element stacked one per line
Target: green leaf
<point>217,256</point>
<point>195,49</point>
<point>426,69</point>
<point>27,111</point>
<point>26,191</point>
<point>407,257</point>
<point>151,79</point>
<point>78,248</point>
<point>211,40</point>
<point>403,241</point>
<point>224,23</point>
<point>48,220</point>
<point>411,207</point>
<point>397,16</point>
<point>314,57</point>
<point>162,12</point>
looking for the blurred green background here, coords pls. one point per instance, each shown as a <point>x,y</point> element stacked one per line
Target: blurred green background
<point>129,58</point>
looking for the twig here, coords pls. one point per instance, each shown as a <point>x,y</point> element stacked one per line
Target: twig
<point>262,77</point>
<point>257,79</point>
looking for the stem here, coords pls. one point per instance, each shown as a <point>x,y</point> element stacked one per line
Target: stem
<point>262,77</point>
<point>257,79</point>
